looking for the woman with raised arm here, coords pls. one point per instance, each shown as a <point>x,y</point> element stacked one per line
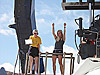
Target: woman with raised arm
<point>60,39</point>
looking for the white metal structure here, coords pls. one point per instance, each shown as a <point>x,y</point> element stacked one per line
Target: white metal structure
<point>89,65</point>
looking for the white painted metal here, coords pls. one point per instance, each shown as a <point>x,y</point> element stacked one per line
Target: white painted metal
<point>87,66</point>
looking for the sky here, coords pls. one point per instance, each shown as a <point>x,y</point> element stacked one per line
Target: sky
<point>47,12</point>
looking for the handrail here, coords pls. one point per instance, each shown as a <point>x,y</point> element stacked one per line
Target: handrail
<point>45,62</point>
<point>62,57</point>
<point>27,55</point>
<point>39,65</point>
<point>71,62</point>
<point>16,62</point>
<point>58,53</point>
<point>71,65</point>
<point>64,64</point>
<point>46,55</point>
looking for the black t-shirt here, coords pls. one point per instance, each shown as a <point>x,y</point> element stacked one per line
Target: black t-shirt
<point>59,44</point>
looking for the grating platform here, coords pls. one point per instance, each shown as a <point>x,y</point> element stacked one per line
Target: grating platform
<point>79,6</point>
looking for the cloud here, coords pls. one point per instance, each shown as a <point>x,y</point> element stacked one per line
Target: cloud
<point>10,67</point>
<point>7,32</point>
<point>4,21</point>
<point>41,20</point>
<point>59,21</point>
<point>68,12</point>
<point>68,49</point>
<point>12,21</point>
<point>45,9</point>
<point>3,18</point>
<point>46,12</point>
<point>48,49</point>
<point>7,66</point>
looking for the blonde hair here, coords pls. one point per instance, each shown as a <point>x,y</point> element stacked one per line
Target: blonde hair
<point>35,31</point>
<point>57,39</point>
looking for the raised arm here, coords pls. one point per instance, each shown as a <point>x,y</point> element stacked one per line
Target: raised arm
<point>64,31</point>
<point>53,31</point>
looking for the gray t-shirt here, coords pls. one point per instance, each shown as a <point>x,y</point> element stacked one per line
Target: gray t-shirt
<point>59,44</point>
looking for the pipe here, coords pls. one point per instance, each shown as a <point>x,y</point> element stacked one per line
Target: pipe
<point>27,55</point>
<point>39,65</point>
<point>90,9</point>
<point>64,64</point>
<point>16,62</point>
<point>46,62</point>
<point>71,65</point>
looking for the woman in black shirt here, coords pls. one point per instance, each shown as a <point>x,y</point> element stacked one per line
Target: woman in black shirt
<point>60,39</point>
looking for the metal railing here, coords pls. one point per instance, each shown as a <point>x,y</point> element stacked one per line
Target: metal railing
<point>49,55</point>
<point>16,63</point>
